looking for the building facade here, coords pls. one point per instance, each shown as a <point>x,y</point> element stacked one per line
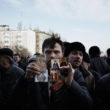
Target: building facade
<point>22,39</point>
<point>40,37</point>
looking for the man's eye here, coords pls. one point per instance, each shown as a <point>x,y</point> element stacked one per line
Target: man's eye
<point>81,54</point>
<point>56,52</point>
<point>47,52</point>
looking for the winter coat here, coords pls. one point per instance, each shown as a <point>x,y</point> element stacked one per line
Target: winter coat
<point>8,81</point>
<point>99,65</point>
<point>30,95</point>
<point>102,93</point>
<point>90,80</point>
<point>75,97</point>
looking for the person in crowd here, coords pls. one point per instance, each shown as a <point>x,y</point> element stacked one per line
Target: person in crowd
<point>18,61</point>
<point>102,93</point>
<point>108,56</point>
<point>86,65</point>
<point>67,94</point>
<point>98,63</point>
<point>75,57</point>
<point>10,75</point>
<point>89,77</point>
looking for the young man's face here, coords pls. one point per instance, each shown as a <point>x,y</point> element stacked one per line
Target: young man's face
<point>53,53</point>
<point>16,58</point>
<point>75,58</point>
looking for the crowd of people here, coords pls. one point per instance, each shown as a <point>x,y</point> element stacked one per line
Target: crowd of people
<point>84,84</point>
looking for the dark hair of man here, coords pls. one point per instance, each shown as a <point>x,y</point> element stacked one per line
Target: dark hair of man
<point>50,42</point>
<point>108,51</point>
<point>94,51</point>
<point>17,54</point>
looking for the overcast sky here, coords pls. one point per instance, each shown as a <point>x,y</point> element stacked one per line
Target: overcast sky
<point>87,21</point>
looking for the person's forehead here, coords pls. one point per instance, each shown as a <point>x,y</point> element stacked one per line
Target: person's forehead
<point>16,56</point>
<point>78,51</point>
<point>56,47</point>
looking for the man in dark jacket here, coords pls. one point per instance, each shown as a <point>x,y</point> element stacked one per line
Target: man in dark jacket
<point>98,63</point>
<point>102,93</point>
<point>9,77</point>
<point>18,61</point>
<point>108,56</point>
<point>71,93</point>
<point>75,56</point>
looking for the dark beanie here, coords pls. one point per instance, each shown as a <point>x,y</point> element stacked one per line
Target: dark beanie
<point>77,46</point>
<point>86,58</point>
<point>6,51</point>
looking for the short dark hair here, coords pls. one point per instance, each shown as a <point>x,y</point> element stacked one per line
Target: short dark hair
<point>108,51</point>
<point>50,42</point>
<point>17,54</point>
<point>94,51</point>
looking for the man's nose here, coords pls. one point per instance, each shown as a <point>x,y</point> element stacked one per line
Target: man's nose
<point>52,55</point>
<point>78,56</point>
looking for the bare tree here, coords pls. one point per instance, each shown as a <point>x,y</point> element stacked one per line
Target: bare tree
<point>21,50</point>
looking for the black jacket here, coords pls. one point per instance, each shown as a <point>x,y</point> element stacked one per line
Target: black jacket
<point>75,97</point>
<point>102,94</point>
<point>8,81</point>
<point>35,96</point>
<point>90,80</point>
<point>99,65</point>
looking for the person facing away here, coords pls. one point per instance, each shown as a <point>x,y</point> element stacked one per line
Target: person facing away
<point>98,63</point>
<point>86,65</point>
<point>9,77</point>
<point>92,75</point>
<point>68,94</point>
<point>108,56</point>
<point>102,93</point>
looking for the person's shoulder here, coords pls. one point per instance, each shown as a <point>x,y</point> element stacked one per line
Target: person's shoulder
<point>104,81</point>
<point>17,69</point>
<point>78,74</point>
<point>105,78</point>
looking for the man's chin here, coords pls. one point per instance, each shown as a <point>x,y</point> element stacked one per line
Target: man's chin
<point>76,65</point>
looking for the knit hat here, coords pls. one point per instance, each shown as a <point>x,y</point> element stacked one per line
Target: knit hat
<point>6,51</point>
<point>77,46</point>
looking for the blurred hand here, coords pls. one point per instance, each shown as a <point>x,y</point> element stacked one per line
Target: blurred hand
<point>70,74</point>
<point>31,70</point>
